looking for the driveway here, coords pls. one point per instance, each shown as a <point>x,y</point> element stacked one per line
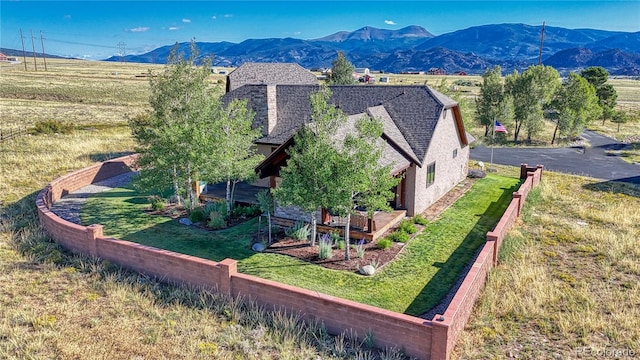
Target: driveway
<point>595,162</point>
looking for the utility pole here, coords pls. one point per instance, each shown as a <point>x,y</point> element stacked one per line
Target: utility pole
<point>122,47</point>
<point>44,57</point>
<point>24,53</point>
<point>33,45</point>
<point>541,41</point>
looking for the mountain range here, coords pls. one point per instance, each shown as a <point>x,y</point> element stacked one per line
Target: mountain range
<point>413,48</point>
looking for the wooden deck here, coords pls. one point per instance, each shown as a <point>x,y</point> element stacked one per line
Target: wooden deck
<point>383,222</point>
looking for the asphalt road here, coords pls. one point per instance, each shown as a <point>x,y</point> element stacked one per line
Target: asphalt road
<point>595,162</point>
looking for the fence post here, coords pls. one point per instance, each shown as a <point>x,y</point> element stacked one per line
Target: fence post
<point>517,195</point>
<point>228,267</point>
<point>93,232</point>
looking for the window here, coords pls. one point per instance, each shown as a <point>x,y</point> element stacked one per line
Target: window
<point>431,173</point>
<point>455,153</point>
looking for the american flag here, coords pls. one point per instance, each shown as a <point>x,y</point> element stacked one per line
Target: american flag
<point>499,128</point>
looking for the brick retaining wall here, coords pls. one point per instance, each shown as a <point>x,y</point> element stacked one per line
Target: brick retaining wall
<point>418,337</point>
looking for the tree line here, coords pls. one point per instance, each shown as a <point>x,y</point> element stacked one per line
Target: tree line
<point>524,100</point>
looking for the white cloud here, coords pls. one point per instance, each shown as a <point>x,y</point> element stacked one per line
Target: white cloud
<point>228,15</point>
<point>140,29</point>
<point>214,17</point>
<point>173,28</point>
<point>186,21</point>
<point>390,22</point>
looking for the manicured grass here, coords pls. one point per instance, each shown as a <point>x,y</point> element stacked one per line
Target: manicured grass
<point>412,284</point>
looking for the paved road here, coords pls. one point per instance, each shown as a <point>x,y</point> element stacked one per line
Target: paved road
<point>594,163</point>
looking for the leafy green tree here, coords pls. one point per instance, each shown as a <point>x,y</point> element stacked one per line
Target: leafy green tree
<point>577,105</point>
<point>307,178</point>
<point>341,71</point>
<point>180,101</point>
<point>620,118</point>
<point>490,104</point>
<point>531,91</point>
<point>606,93</point>
<point>227,152</point>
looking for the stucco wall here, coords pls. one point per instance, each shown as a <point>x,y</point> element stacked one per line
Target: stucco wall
<point>449,170</point>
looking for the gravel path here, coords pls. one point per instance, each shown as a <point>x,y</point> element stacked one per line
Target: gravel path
<point>70,205</point>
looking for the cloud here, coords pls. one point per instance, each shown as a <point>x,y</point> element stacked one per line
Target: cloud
<point>173,28</point>
<point>214,17</point>
<point>228,15</point>
<point>390,22</point>
<point>140,29</point>
<point>186,21</point>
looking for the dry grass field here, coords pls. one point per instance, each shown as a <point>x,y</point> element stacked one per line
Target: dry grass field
<point>568,281</point>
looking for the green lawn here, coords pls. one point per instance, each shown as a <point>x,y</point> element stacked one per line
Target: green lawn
<point>412,284</point>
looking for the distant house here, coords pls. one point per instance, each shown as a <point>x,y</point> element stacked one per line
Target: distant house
<point>361,71</point>
<point>462,73</point>
<point>436,71</point>
<point>3,57</point>
<point>424,137</point>
<point>269,74</point>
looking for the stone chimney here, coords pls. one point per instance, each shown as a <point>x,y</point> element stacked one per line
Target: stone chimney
<point>272,108</point>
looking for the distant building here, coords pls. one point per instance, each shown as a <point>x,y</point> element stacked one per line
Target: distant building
<point>462,73</point>
<point>3,57</point>
<point>437,71</point>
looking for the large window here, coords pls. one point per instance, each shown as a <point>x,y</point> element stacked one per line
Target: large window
<point>431,173</point>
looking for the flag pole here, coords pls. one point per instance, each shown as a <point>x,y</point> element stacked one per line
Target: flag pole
<point>493,137</point>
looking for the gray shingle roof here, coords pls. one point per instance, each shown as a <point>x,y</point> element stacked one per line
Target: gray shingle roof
<point>270,74</point>
<point>414,110</point>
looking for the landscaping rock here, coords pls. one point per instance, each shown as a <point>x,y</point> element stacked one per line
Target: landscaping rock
<point>185,221</point>
<point>476,174</point>
<point>257,247</point>
<point>367,270</point>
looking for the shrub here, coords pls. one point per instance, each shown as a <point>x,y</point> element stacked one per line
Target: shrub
<point>335,237</point>
<point>384,243</point>
<point>299,231</point>
<point>197,215</point>
<point>359,248</point>
<point>217,206</point>
<point>340,244</point>
<point>418,219</point>
<point>398,236</point>
<point>52,127</point>
<point>157,203</point>
<point>325,247</point>
<point>407,226</point>
<point>216,220</point>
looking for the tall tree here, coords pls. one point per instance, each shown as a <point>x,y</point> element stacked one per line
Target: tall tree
<point>577,105</point>
<point>267,206</point>
<point>307,178</point>
<point>531,91</point>
<point>606,93</point>
<point>341,71</point>
<point>180,101</point>
<point>490,103</point>
<point>233,156</point>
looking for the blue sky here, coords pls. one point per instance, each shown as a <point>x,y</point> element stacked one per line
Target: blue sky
<point>93,29</point>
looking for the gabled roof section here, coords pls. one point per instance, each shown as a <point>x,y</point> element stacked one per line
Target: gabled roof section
<point>251,73</point>
<point>410,112</point>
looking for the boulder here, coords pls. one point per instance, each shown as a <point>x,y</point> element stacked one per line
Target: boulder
<point>257,247</point>
<point>185,221</point>
<point>367,270</point>
<point>476,174</point>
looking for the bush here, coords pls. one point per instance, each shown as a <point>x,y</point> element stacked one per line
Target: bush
<point>299,231</point>
<point>418,219</point>
<point>216,220</point>
<point>246,211</point>
<point>384,243</point>
<point>325,248</point>
<point>339,244</point>
<point>157,203</point>
<point>197,215</point>
<point>399,236</point>
<point>52,127</point>
<point>407,226</point>
<point>217,206</point>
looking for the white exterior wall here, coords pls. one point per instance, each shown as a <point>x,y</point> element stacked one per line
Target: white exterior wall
<point>449,171</point>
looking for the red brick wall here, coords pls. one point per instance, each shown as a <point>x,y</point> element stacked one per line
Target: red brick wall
<point>420,338</point>
<point>389,328</point>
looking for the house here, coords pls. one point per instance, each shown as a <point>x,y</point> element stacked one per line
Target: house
<point>437,71</point>
<point>269,74</point>
<point>424,136</point>
<point>3,57</point>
